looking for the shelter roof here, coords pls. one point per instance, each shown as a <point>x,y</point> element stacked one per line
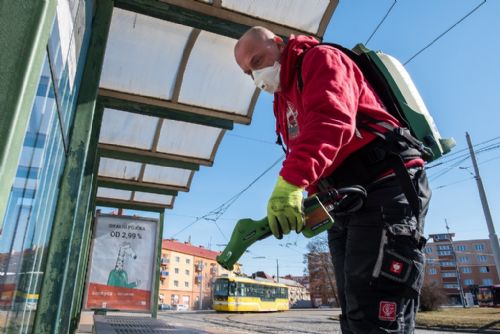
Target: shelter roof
<point>170,89</point>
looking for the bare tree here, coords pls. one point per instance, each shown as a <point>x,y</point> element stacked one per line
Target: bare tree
<point>431,296</point>
<point>319,267</point>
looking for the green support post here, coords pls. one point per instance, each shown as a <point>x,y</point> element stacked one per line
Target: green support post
<point>76,266</point>
<point>25,28</point>
<point>59,269</point>
<point>156,292</point>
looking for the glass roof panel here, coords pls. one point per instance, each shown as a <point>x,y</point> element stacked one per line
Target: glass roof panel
<point>128,129</point>
<point>113,193</point>
<point>143,54</point>
<point>211,69</point>
<point>188,139</point>
<point>167,175</point>
<point>303,15</point>
<point>119,169</point>
<point>152,198</point>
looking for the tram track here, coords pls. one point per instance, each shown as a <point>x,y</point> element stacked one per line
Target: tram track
<point>251,327</point>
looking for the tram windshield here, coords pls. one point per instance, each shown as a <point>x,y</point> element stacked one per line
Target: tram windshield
<point>221,287</point>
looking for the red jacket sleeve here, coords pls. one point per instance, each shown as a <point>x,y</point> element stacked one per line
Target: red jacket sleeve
<point>331,90</point>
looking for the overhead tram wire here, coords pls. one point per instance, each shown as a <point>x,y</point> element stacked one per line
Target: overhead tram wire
<point>466,149</point>
<point>464,158</point>
<point>380,23</point>
<point>447,158</point>
<point>219,211</point>
<point>445,32</point>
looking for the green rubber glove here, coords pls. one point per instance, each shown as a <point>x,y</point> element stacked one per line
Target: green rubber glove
<point>284,209</point>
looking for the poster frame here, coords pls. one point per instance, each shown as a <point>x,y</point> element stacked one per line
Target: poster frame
<point>154,277</point>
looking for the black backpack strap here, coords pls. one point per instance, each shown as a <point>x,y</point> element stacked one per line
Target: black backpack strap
<point>300,81</point>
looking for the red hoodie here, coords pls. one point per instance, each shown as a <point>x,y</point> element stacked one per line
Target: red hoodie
<point>318,124</point>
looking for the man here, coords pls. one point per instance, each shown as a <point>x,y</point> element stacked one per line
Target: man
<point>328,116</point>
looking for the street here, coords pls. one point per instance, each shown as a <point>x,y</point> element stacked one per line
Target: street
<point>304,321</point>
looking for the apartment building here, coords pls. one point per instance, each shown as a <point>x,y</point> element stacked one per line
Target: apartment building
<point>298,295</point>
<point>460,266</point>
<point>187,273</point>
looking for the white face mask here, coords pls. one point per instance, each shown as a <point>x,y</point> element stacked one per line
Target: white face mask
<point>268,78</point>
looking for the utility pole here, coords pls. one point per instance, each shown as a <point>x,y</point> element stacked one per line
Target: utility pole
<point>457,271</point>
<point>486,209</point>
<point>277,271</point>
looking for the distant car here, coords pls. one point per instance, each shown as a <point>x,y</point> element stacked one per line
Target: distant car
<point>181,307</point>
<point>165,307</point>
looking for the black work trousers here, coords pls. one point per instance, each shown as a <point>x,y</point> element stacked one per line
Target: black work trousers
<point>379,274</point>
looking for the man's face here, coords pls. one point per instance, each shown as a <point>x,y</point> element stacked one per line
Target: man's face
<point>252,54</point>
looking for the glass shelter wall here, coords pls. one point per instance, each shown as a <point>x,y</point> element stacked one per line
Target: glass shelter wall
<point>27,224</point>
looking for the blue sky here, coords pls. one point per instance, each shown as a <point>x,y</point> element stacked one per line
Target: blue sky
<point>459,80</point>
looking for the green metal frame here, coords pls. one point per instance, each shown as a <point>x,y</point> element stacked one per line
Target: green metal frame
<point>76,267</point>
<point>116,184</point>
<point>156,290</point>
<point>204,16</point>
<point>61,264</point>
<point>154,159</point>
<point>164,11</point>
<point>164,112</point>
<point>76,307</point>
<point>131,205</point>
<point>26,27</point>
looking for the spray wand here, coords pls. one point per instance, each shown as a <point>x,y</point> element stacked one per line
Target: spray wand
<point>318,211</point>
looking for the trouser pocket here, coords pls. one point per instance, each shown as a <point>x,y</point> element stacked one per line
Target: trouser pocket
<point>399,268</point>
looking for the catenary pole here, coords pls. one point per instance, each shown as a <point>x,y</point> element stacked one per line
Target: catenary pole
<point>486,209</point>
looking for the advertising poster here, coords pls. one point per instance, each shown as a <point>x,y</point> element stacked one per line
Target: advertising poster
<point>122,261</point>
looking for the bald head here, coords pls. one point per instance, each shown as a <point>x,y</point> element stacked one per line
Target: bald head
<point>257,48</point>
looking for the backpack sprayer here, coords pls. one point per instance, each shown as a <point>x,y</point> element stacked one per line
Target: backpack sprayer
<point>318,211</point>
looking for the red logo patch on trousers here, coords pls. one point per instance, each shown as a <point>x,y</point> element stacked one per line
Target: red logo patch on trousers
<point>396,267</point>
<point>387,311</point>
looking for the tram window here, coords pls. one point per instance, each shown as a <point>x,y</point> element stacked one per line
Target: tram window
<point>232,288</point>
<point>240,290</point>
<point>221,287</point>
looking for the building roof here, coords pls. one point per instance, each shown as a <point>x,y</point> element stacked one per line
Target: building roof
<point>188,248</point>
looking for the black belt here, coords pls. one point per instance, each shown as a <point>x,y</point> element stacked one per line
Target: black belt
<point>371,162</point>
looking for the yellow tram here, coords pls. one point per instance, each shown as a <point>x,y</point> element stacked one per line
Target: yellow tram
<point>241,294</point>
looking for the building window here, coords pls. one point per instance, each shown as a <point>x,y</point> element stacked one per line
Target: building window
<point>187,271</point>
<point>176,283</point>
<point>432,271</point>
<point>176,270</point>
<point>487,281</point>
<point>479,247</point>
<point>448,264</point>
<point>444,247</point>
<point>463,259</point>
<point>188,261</point>
<point>482,258</point>
<point>467,270</point>
<point>428,250</point>
<point>444,252</point>
<point>450,286</point>
<point>449,274</point>
<point>174,299</point>
<point>177,259</point>
<point>186,284</point>
<point>468,281</point>
<point>461,248</point>
<point>484,269</point>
